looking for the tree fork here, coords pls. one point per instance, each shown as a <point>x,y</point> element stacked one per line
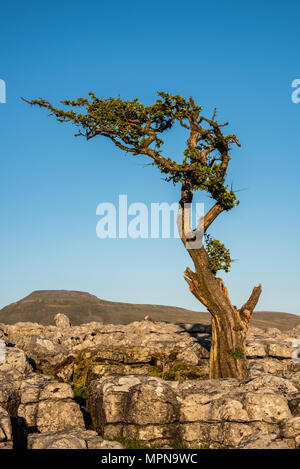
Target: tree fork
<point>229,325</point>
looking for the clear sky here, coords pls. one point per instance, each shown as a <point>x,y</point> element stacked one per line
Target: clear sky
<point>239,56</point>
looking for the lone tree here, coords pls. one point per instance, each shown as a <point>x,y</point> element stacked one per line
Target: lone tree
<point>137,129</point>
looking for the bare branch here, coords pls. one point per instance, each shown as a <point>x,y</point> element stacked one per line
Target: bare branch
<point>183,124</point>
<point>204,154</point>
<point>223,288</point>
<point>253,300</point>
<point>211,215</point>
<point>120,145</point>
<point>194,286</point>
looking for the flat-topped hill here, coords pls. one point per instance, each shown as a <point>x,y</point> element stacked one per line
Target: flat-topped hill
<point>81,307</point>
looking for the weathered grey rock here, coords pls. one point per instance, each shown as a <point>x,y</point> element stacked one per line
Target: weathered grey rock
<point>292,373</point>
<point>16,359</point>
<point>258,441</point>
<point>266,407</point>
<point>141,342</point>
<point>5,427</point>
<point>46,405</point>
<point>127,403</point>
<point>290,428</point>
<point>3,334</point>
<point>221,434</point>
<point>267,366</point>
<point>217,413</point>
<point>75,438</point>
<point>230,401</point>
<point>51,415</point>
<point>295,332</point>
<point>268,382</point>
<point>9,395</point>
<point>105,369</point>
<point>66,372</point>
<point>137,399</point>
<point>6,445</point>
<point>39,343</point>
<point>146,407</point>
<point>62,321</point>
<point>279,350</point>
<point>273,332</point>
<point>294,404</point>
<point>256,349</point>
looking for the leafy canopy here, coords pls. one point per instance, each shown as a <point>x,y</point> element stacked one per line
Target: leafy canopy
<point>138,129</point>
<point>219,255</point>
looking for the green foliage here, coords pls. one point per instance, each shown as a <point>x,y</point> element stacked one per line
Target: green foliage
<point>126,120</point>
<point>237,354</point>
<point>177,372</point>
<point>205,178</point>
<point>136,128</point>
<point>136,444</point>
<point>132,444</point>
<point>219,255</point>
<point>80,393</point>
<point>82,377</point>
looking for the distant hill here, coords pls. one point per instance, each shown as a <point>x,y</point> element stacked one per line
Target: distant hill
<point>42,305</point>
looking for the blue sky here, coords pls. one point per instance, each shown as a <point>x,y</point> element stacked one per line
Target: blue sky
<point>238,56</point>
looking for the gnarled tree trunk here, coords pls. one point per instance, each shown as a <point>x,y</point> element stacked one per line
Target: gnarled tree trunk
<point>229,324</point>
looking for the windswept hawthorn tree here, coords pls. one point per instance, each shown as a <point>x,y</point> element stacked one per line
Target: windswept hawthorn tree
<point>137,129</point>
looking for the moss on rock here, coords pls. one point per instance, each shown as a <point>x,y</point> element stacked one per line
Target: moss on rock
<point>177,371</point>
